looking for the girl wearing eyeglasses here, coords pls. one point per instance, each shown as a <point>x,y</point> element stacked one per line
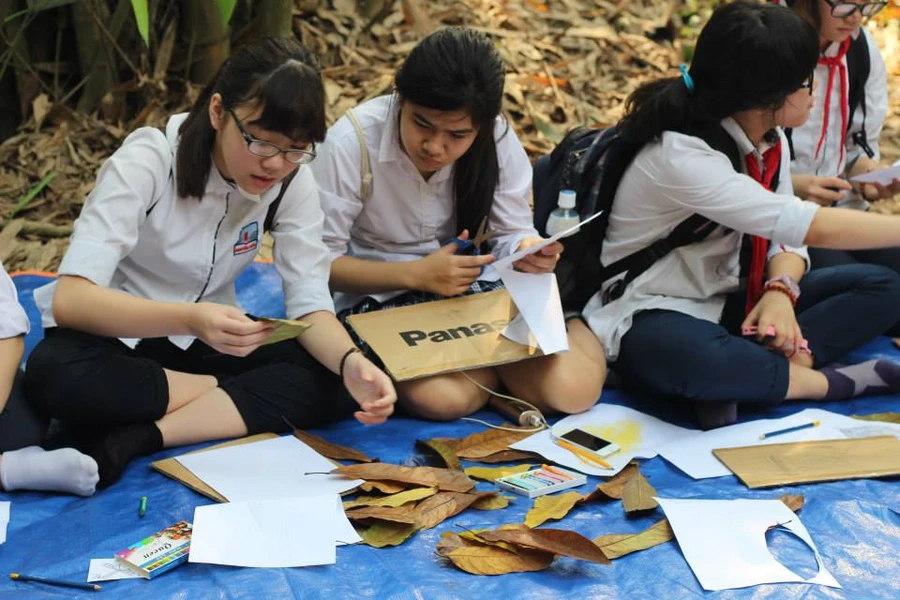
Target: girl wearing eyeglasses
<point>840,139</point>
<point>734,317</point>
<point>441,162</point>
<point>145,345</point>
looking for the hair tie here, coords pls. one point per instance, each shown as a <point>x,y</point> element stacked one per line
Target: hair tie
<point>688,80</point>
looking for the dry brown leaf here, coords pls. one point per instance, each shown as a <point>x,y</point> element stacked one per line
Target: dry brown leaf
<point>385,487</point>
<point>491,474</point>
<point>479,559</point>
<point>889,417</point>
<point>395,514</point>
<point>557,541</point>
<point>400,499</point>
<point>444,479</point>
<point>444,451</point>
<point>329,450</point>
<point>616,545</point>
<point>436,509</point>
<point>794,502</point>
<point>553,507</point>
<point>637,495</point>
<point>614,488</point>
<point>507,456</point>
<point>384,533</point>
<point>487,442</point>
<point>492,502</point>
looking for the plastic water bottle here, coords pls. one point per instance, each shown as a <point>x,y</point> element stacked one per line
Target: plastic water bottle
<point>564,216</point>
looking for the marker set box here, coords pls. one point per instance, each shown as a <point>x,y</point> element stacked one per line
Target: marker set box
<point>541,481</point>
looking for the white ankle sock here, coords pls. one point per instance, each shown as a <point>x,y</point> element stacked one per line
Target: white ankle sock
<point>63,470</point>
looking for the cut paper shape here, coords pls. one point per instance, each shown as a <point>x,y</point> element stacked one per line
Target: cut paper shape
<point>537,295</point>
<point>724,541</point>
<point>637,435</point>
<point>883,176</point>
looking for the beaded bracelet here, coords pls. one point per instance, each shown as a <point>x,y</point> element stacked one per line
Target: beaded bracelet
<point>344,360</point>
<point>783,290</point>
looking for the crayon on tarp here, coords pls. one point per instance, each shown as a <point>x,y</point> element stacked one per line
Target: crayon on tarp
<point>142,507</point>
<point>59,582</point>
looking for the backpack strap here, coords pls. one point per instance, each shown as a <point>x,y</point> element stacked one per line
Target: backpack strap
<point>365,169</point>
<point>859,66</point>
<point>273,208</point>
<point>692,230</point>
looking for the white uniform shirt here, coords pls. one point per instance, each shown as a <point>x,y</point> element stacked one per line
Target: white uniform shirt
<point>189,250</point>
<point>669,181</point>
<point>805,138</point>
<point>405,217</point>
<point>13,320</point>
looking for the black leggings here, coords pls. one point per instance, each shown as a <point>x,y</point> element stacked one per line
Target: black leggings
<point>89,381</point>
<point>20,424</point>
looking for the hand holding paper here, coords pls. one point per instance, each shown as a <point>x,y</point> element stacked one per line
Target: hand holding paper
<point>283,329</point>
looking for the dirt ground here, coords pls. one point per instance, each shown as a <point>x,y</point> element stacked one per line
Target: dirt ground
<point>573,66</point>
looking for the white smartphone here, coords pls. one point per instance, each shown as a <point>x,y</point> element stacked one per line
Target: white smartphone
<point>590,442</point>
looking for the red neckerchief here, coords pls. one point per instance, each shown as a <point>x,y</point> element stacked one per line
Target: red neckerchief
<point>835,63</point>
<point>771,162</point>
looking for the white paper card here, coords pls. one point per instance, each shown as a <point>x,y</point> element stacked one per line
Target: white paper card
<point>107,569</point>
<point>4,520</point>
<point>290,532</point>
<point>724,541</point>
<point>266,470</point>
<point>637,435</point>
<point>694,456</point>
<point>884,176</point>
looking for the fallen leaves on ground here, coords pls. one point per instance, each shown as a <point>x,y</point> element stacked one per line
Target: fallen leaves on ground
<point>442,450</point>
<point>444,479</point>
<point>618,544</point>
<point>888,417</point>
<point>637,495</point>
<point>491,474</point>
<point>330,450</point>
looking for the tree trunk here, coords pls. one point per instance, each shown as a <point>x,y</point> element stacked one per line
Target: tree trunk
<point>208,38</point>
<point>275,17</point>
<point>95,52</point>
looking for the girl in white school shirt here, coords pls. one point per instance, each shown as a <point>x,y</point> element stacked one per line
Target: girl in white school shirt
<point>442,160</point>
<point>676,330</point>
<point>145,347</point>
<point>833,145</point>
<point>24,465</point>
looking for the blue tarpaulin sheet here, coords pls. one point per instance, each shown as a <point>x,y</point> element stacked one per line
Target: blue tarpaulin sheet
<point>853,522</point>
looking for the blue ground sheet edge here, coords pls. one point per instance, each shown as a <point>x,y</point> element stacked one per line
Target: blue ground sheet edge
<point>853,522</point>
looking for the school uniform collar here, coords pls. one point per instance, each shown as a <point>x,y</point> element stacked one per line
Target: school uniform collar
<point>745,146</point>
<point>834,47</point>
<point>389,150</point>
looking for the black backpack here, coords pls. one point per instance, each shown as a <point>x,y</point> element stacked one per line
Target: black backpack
<point>592,162</point>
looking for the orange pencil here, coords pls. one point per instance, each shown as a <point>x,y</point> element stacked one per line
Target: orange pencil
<point>584,455</point>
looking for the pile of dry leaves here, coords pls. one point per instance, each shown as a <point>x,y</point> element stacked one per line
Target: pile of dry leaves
<point>397,501</point>
<point>570,62</point>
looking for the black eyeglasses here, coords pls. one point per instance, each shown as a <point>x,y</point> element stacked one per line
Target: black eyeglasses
<point>268,150</point>
<point>841,10</point>
<point>808,84</point>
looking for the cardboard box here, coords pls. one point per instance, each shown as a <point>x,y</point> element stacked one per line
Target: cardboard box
<point>443,336</point>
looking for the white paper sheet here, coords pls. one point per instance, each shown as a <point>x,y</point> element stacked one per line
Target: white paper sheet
<point>636,433</point>
<point>724,541</point>
<point>884,176</point>
<point>290,532</point>
<point>694,456</point>
<point>267,470</point>
<point>536,295</point>
<point>107,569</point>
<point>4,520</point>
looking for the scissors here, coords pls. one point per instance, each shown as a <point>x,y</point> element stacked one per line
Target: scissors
<point>472,247</point>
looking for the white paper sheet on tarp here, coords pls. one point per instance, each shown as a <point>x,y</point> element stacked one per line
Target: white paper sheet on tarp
<point>884,176</point>
<point>637,434</point>
<point>108,569</point>
<point>290,532</point>
<point>694,456</point>
<point>724,541</point>
<point>4,520</point>
<point>266,470</point>
<point>536,295</point>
